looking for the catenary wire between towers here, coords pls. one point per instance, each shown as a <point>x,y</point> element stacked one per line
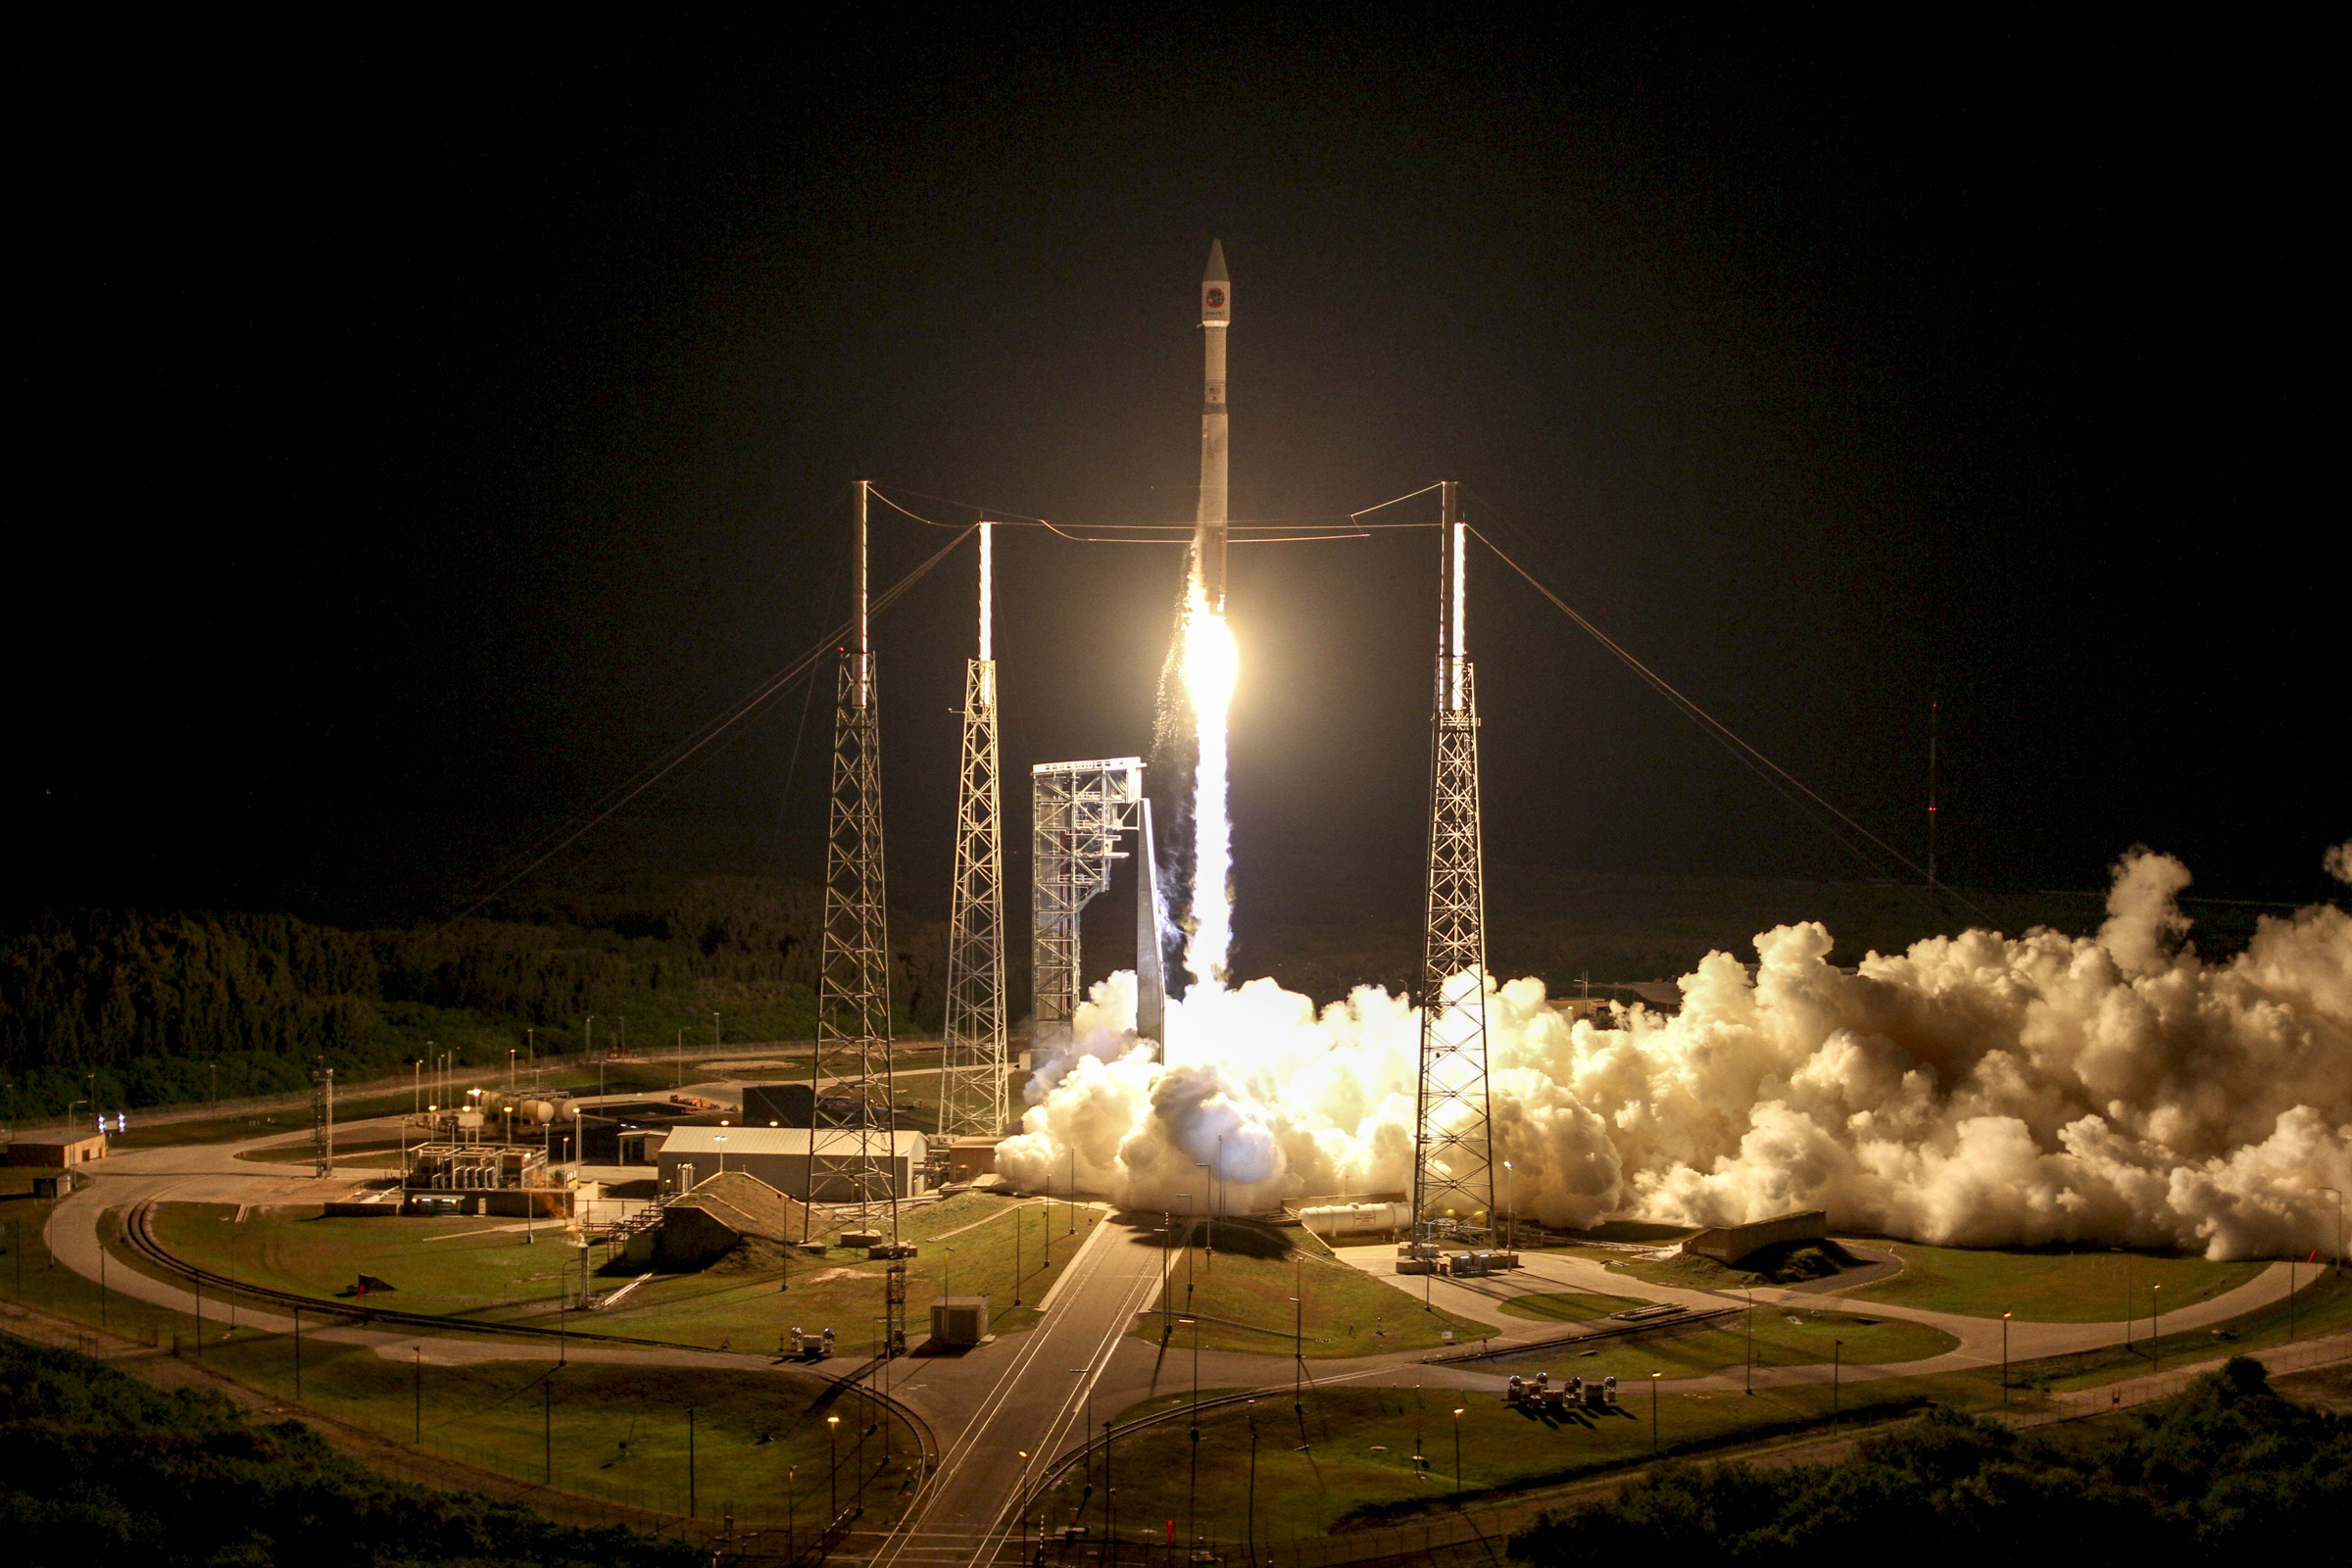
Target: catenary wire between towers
<point>743,707</point>
<point>1808,802</point>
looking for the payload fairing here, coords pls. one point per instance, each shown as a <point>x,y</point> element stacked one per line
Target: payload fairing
<point>1208,532</point>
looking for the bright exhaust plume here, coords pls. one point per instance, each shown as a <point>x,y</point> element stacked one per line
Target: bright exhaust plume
<point>1976,1089</point>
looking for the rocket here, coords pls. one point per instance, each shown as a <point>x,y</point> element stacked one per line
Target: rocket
<point>1208,532</point>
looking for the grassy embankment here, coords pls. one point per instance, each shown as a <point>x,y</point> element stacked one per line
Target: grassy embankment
<point>503,1270</point>
<point>614,1432</point>
<point>1240,1297</point>
<point>2048,1285</point>
<point>1351,1452</point>
<point>1359,1441</point>
<point>750,1434</point>
<point>1782,1337</point>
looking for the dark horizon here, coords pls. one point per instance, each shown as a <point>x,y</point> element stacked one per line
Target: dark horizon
<point>456,433</point>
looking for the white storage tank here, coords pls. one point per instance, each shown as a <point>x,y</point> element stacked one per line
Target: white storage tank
<point>1331,1221</point>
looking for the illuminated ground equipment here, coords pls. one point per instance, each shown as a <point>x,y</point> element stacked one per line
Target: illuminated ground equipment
<point>1454,1184</point>
<point>482,1178</point>
<point>852,1058</point>
<point>1078,811</point>
<point>971,1091</point>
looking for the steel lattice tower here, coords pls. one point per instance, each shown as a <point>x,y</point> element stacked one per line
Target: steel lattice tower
<point>1453,1186</point>
<point>852,999</point>
<point>1078,811</point>
<point>972,1057</point>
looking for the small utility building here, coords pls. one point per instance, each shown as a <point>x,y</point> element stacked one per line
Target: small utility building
<point>813,1164</point>
<point>56,1149</point>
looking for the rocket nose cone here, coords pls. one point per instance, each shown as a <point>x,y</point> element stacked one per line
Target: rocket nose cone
<point>1216,264</point>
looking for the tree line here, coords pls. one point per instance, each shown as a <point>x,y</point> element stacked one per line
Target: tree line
<point>132,1008</point>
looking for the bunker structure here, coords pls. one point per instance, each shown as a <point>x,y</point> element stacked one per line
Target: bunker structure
<point>699,1227</point>
<point>1728,1244</point>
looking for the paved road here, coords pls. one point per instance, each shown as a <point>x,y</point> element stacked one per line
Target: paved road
<point>1015,1404</point>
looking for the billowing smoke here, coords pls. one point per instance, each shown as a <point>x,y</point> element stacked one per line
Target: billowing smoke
<point>1976,1089</point>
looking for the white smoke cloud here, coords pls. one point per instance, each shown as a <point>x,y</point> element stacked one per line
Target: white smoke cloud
<point>1975,1089</point>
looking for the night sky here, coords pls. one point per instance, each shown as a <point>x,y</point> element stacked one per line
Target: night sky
<point>450,424</point>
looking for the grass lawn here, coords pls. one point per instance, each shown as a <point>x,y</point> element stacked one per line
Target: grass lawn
<point>2048,1285</point>
<point>612,1431</point>
<point>484,1268</point>
<point>2322,1305</point>
<point>968,1245</point>
<point>1783,1338</point>
<point>1242,1298</point>
<point>1567,1306</point>
<point>1350,1455</point>
<point>493,1269</point>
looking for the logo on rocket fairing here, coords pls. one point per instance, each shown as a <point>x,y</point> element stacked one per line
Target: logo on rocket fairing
<point>1216,298</point>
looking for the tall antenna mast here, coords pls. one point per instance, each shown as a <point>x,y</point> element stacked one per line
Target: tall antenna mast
<point>853,1159</point>
<point>972,1053</point>
<point>1931,707</point>
<point>1453,1188</point>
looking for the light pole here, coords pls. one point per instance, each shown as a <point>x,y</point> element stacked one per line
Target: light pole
<point>2155,1328</point>
<point>2004,1358</point>
<point>1192,1487</point>
<point>1088,1477</point>
<point>1073,1189</point>
<point>1837,1354</point>
<point>833,1479</point>
<point>417,1391</point>
<point>1511,1214</point>
<point>1252,1521</point>
<point>2340,1226</point>
<point>1187,1250</point>
<point>1752,1338</point>
<point>1457,1455</point>
<point>1654,1412</point>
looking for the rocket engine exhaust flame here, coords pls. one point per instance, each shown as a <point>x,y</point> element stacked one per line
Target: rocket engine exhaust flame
<point>1976,1089</point>
<point>1210,664</point>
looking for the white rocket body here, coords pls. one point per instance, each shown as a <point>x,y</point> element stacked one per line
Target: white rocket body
<point>1208,534</point>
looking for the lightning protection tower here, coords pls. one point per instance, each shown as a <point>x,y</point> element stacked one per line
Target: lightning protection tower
<point>1453,1188</point>
<point>852,1144</point>
<point>972,1094</point>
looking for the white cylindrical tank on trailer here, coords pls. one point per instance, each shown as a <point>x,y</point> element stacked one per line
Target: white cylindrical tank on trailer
<point>1328,1220</point>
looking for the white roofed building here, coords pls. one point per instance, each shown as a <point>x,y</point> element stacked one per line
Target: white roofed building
<point>811,1163</point>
